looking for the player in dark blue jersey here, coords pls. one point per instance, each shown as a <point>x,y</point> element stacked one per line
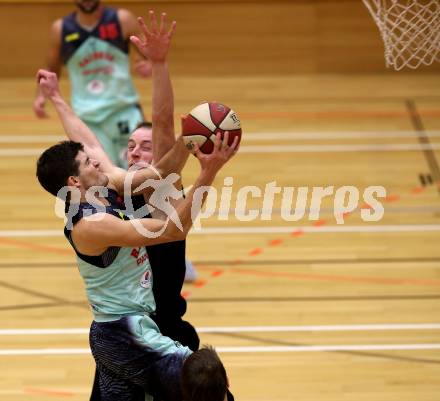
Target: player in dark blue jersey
<point>162,123</point>
<point>144,145</point>
<point>93,44</point>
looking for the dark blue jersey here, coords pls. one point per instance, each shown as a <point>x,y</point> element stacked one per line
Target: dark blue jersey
<point>74,35</point>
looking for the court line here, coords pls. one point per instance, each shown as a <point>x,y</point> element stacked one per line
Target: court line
<point>258,136</point>
<point>254,349</point>
<point>338,298</point>
<point>397,147</point>
<point>5,235</point>
<point>30,138</point>
<point>333,114</point>
<point>31,233</point>
<point>429,153</point>
<point>319,229</point>
<point>262,230</point>
<point>249,329</point>
<point>338,278</point>
<point>48,392</point>
<point>288,114</point>
<point>327,348</point>
<point>21,152</point>
<point>205,264</point>
<point>35,247</point>
<point>269,136</point>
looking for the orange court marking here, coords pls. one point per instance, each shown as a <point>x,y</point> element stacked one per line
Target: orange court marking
<point>199,283</point>
<point>418,190</point>
<point>255,252</point>
<point>392,198</point>
<point>52,393</point>
<point>324,277</point>
<point>35,247</point>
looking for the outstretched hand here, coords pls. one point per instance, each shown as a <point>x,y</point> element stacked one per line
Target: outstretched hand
<point>156,39</point>
<point>48,83</point>
<point>222,152</point>
<point>38,106</point>
<point>48,86</point>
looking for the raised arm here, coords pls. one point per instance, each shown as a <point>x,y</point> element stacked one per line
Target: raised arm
<point>155,45</point>
<point>95,234</point>
<point>129,25</point>
<point>75,129</point>
<point>53,64</point>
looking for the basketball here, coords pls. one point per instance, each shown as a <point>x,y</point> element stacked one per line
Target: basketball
<point>205,121</point>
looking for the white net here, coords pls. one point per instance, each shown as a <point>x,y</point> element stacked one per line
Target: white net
<point>410,30</point>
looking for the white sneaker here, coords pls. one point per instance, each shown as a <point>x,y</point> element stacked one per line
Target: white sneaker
<point>190,272</point>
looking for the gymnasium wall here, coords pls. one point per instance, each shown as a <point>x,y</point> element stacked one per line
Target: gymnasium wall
<point>223,36</point>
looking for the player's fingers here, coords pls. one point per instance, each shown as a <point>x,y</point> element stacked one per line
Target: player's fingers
<point>196,150</point>
<point>153,22</point>
<point>136,41</point>
<point>163,21</point>
<point>225,140</point>
<point>234,148</point>
<point>143,27</point>
<point>172,29</point>
<point>42,74</point>
<point>218,141</point>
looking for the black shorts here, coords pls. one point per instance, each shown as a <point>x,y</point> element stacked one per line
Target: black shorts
<point>133,358</point>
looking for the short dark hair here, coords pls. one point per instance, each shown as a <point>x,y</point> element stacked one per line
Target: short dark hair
<point>144,124</point>
<point>204,376</point>
<point>57,164</point>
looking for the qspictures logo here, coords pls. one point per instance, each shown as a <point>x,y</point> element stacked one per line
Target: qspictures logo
<point>245,204</point>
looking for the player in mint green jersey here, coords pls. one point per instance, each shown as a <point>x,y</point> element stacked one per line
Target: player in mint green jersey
<point>93,44</point>
<point>131,355</point>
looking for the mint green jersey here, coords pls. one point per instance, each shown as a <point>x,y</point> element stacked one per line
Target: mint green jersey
<point>123,288</point>
<point>119,282</point>
<point>98,66</point>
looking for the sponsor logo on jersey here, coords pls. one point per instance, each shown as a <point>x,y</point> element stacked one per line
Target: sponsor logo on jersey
<point>135,252</point>
<point>95,86</point>
<point>146,280</point>
<point>71,37</point>
<point>96,56</point>
<point>107,70</point>
<point>140,257</point>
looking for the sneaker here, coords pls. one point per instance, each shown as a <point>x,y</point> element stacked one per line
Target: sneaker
<point>190,272</point>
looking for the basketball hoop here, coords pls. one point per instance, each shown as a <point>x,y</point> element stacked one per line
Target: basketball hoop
<point>410,30</point>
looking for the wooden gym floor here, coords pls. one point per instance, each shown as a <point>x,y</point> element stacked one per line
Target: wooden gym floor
<point>306,310</point>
